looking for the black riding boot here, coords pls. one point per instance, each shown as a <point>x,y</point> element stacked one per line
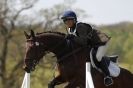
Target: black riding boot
<point>104,67</point>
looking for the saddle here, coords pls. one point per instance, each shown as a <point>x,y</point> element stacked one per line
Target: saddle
<point>113,58</point>
<point>113,67</point>
<point>112,63</point>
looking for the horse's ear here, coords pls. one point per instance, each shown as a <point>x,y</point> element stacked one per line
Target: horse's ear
<point>26,35</point>
<point>32,33</point>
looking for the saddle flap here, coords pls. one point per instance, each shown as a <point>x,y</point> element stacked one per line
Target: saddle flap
<point>113,58</point>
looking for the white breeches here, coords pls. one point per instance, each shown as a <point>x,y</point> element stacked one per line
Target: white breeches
<point>101,52</point>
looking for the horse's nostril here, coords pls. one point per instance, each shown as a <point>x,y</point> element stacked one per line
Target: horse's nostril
<point>24,66</point>
<point>33,68</point>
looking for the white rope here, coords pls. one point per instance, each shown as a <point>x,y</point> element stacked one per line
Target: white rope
<point>26,81</point>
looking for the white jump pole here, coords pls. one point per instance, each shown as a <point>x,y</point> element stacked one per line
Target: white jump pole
<point>26,81</point>
<point>89,81</point>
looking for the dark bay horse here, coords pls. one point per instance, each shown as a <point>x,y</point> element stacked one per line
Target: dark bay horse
<point>71,59</point>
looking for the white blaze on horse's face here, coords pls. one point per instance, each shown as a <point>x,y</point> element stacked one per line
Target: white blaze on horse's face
<point>31,44</point>
<point>28,44</point>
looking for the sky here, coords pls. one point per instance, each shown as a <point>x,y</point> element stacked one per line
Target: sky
<point>99,11</point>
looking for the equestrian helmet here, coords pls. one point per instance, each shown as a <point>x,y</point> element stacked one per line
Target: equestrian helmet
<point>69,15</point>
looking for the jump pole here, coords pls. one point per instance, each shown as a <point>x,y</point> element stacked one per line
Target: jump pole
<point>89,81</point>
<point>26,81</point>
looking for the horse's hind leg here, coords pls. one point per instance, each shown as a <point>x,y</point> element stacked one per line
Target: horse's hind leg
<point>56,81</point>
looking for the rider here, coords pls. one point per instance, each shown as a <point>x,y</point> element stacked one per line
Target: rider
<point>84,34</point>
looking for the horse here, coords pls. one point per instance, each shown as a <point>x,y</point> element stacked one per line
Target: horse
<point>71,60</point>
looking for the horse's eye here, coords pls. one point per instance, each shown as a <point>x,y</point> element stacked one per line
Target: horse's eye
<point>37,43</point>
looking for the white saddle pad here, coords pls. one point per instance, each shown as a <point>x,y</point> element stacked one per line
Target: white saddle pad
<point>114,69</point>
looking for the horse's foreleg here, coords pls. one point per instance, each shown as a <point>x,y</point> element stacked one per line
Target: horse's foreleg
<point>71,85</point>
<point>56,81</point>
<point>75,84</point>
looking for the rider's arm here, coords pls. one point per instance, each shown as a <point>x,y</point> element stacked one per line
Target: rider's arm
<point>82,34</point>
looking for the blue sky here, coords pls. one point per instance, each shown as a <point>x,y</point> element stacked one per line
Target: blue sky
<point>100,11</point>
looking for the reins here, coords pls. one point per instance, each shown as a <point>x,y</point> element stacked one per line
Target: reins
<point>62,58</point>
<point>69,54</point>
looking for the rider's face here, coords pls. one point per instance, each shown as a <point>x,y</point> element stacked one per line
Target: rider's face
<point>69,22</point>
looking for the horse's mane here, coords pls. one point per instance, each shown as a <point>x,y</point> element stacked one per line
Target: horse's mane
<point>51,32</point>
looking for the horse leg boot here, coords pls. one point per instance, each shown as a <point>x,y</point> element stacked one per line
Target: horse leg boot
<point>56,81</point>
<point>104,67</point>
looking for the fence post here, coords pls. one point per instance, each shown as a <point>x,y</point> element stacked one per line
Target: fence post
<point>26,81</point>
<point>89,81</point>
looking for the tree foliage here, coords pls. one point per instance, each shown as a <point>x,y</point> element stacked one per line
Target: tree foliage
<point>121,41</point>
<point>9,14</point>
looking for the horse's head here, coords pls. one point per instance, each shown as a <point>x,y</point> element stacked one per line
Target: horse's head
<point>37,45</point>
<point>34,52</point>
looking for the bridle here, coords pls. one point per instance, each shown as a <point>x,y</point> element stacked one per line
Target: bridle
<point>33,60</point>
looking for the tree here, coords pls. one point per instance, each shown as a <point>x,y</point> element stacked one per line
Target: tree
<point>12,24</point>
<point>52,16</point>
<point>10,11</point>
